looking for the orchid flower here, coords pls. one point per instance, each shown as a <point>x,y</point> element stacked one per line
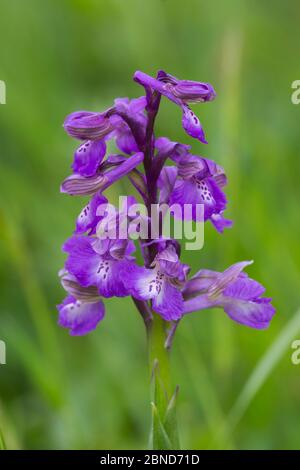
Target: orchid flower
<point>101,263</point>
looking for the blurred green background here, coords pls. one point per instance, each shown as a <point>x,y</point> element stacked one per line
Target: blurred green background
<point>92,392</point>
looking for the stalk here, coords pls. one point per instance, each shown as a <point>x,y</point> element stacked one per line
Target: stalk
<point>164,431</point>
<point>164,434</point>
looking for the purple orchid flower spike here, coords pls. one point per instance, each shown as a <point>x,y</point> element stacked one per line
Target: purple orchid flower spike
<point>166,175</point>
<point>161,283</point>
<point>232,290</point>
<point>181,92</point>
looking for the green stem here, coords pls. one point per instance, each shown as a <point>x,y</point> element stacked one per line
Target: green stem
<point>164,434</point>
<point>158,355</point>
<point>2,441</point>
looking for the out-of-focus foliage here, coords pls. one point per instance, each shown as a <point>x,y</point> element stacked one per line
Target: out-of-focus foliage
<point>92,392</point>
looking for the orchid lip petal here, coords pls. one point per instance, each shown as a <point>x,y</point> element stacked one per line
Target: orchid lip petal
<point>192,125</point>
<point>88,157</point>
<point>80,317</point>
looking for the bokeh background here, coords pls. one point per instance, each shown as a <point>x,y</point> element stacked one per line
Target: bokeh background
<point>238,387</point>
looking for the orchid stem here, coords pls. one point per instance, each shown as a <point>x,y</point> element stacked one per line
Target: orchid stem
<point>164,434</point>
<point>145,312</point>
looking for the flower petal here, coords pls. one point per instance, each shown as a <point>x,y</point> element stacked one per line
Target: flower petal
<point>192,125</point>
<point>199,283</point>
<point>87,125</point>
<point>254,314</point>
<point>79,185</point>
<point>170,264</point>
<point>109,281</point>
<point>220,223</point>
<point>82,261</point>
<point>141,283</point>
<point>88,219</point>
<point>80,317</point>
<point>126,142</point>
<point>88,157</point>
<point>166,182</point>
<point>244,288</point>
<point>93,269</point>
<point>85,294</point>
<point>225,278</point>
<point>198,191</point>
<point>169,302</point>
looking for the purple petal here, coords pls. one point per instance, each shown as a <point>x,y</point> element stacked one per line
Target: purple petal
<point>109,281</point>
<point>156,85</point>
<point>173,150</point>
<point>83,262</point>
<point>86,125</point>
<point>88,219</point>
<point>166,182</point>
<point>194,191</point>
<point>256,314</point>
<point>199,283</point>
<point>88,157</point>
<point>131,107</point>
<point>120,249</point>
<point>123,168</point>
<point>80,317</point>
<point>227,277</point>
<point>170,264</point>
<point>185,192</point>
<point>142,283</point>
<point>244,289</point>
<point>187,90</point>
<point>126,142</point>
<point>93,269</point>
<point>70,284</point>
<point>220,223</point>
<point>169,302</point>
<point>192,165</point>
<point>201,302</point>
<point>192,125</point>
<point>194,92</point>
<point>79,185</point>
<point>146,284</point>
<point>134,110</point>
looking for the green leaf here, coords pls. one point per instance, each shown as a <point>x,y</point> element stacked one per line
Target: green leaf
<point>170,421</point>
<point>159,436</point>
